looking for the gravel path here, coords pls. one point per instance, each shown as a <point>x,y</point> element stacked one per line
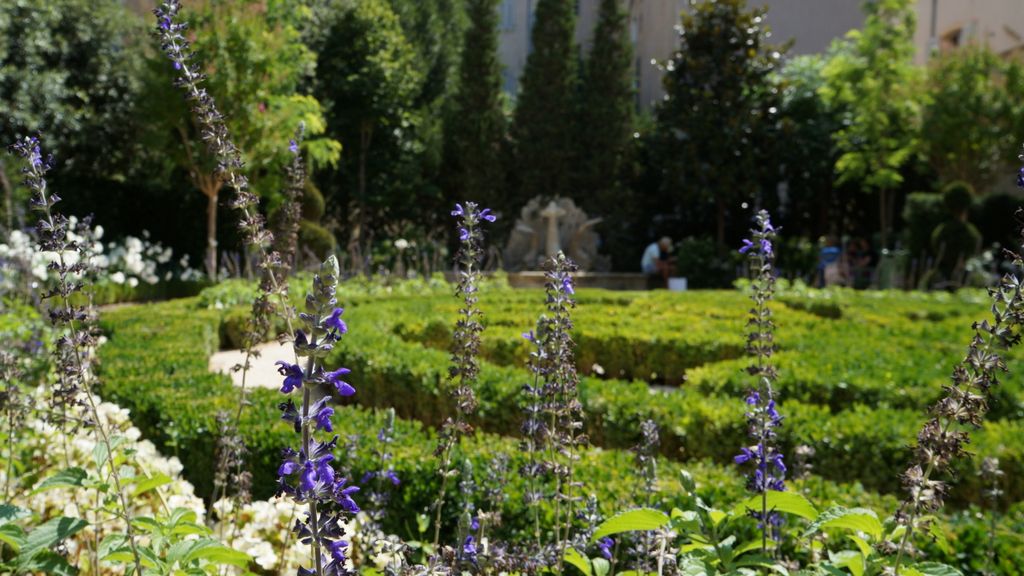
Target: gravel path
<point>262,372</point>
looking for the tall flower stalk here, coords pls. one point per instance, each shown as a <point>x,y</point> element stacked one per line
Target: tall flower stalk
<point>74,395</point>
<point>762,417</point>
<point>273,268</point>
<point>553,426</point>
<point>306,475</point>
<point>465,346</point>
<point>962,408</point>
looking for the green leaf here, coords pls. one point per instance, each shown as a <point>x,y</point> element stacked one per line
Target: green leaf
<point>573,556</point>
<point>10,513</point>
<point>601,566</point>
<point>936,569</point>
<point>67,478</point>
<point>631,521</point>
<point>50,534</point>
<point>147,484</point>
<point>786,502</point>
<point>48,563</point>
<point>12,535</point>
<point>100,453</point>
<point>852,560</point>
<point>856,519</point>
<point>862,545</point>
<point>688,521</point>
<point>219,554</point>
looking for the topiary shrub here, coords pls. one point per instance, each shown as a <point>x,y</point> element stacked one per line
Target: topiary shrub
<point>957,196</point>
<point>922,213</point>
<point>313,204</point>
<point>316,238</point>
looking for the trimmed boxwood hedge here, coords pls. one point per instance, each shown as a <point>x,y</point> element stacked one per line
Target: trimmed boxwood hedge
<point>155,363</point>
<point>854,441</point>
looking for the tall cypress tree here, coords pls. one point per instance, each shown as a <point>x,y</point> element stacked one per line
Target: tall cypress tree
<point>607,101</point>
<point>543,120</point>
<point>476,128</point>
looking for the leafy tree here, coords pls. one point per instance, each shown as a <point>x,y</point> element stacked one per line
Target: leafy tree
<point>607,101</point>
<point>368,78</point>
<point>435,30</point>
<point>720,113</point>
<point>874,82</point>
<point>542,129</point>
<point>806,125</point>
<point>971,116</point>
<point>68,72</point>
<point>255,63</point>
<point>476,128</point>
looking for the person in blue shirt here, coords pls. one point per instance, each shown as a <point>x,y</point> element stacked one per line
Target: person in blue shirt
<point>656,260</point>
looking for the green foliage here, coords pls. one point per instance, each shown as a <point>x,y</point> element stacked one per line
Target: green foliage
<point>68,71</point>
<point>957,196</point>
<point>806,125</point>
<point>475,130</point>
<point>717,122</point>
<point>605,117</point>
<point>368,79</point>
<point>159,371</point>
<point>870,77</point>
<point>316,239</point>
<point>922,213</point>
<point>255,63</point>
<point>541,131</point>
<point>972,115</point>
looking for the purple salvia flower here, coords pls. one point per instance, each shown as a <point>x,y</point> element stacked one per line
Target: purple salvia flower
<point>343,388</point>
<point>604,546</point>
<point>292,376</point>
<point>465,346</point>
<point>334,321</point>
<point>318,487</point>
<point>293,147</point>
<point>763,417</point>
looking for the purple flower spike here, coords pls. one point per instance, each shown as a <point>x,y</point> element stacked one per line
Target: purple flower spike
<point>292,374</point>
<point>293,147</point>
<point>604,545</point>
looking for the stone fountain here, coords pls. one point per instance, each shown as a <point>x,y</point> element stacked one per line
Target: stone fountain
<point>547,226</point>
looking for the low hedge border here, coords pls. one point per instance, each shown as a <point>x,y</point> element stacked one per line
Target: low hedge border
<point>155,364</point>
<point>860,443</point>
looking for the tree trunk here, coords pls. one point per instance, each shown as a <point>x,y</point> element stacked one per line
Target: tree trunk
<point>720,233</point>
<point>8,197</point>
<point>211,232</point>
<point>883,217</point>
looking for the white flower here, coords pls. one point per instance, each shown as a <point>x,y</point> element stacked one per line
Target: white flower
<point>117,278</point>
<point>401,243</point>
<point>133,282</point>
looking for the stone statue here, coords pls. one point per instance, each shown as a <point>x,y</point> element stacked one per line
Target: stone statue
<point>555,225</point>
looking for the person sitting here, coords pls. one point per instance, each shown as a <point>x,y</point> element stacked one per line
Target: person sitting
<point>656,260</point>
